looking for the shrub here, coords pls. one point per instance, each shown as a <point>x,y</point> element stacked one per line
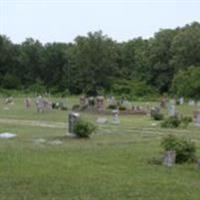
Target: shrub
<point>84,129</point>
<point>157,116</point>
<point>186,120</point>
<point>185,149</point>
<point>171,122</point>
<point>122,108</point>
<point>112,106</point>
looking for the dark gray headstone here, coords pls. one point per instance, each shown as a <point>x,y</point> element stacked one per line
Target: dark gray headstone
<point>169,158</point>
<point>73,119</point>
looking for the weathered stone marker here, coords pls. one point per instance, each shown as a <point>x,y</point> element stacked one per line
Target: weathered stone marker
<point>73,119</point>
<point>116,119</point>
<point>27,103</point>
<point>100,104</point>
<point>198,118</point>
<point>181,100</point>
<point>191,102</point>
<point>169,158</point>
<point>172,110</point>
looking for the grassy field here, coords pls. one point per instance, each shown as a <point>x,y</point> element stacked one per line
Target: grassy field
<point>112,164</point>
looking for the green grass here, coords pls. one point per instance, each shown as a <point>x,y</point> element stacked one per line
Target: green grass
<point>113,164</point>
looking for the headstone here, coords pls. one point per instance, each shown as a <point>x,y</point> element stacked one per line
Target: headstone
<point>198,119</point>
<point>9,100</point>
<point>73,119</point>
<point>28,103</point>
<point>148,108</point>
<point>102,120</point>
<point>198,164</point>
<point>196,116</point>
<point>181,100</point>
<point>172,110</point>
<point>111,101</point>
<point>191,102</point>
<point>91,102</point>
<point>100,103</point>
<point>43,104</point>
<point>83,101</point>
<point>164,102</point>
<point>7,135</point>
<point>116,119</point>
<point>169,158</point>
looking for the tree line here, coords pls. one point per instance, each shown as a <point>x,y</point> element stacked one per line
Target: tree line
<point>94,64</point>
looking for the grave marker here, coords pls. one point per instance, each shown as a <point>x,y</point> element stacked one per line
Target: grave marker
<point>116,119</point>
<point>73,119</point>
<point>169,158</point>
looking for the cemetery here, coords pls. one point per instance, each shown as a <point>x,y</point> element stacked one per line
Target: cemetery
<point>120,150</point>
<point>99,100</point>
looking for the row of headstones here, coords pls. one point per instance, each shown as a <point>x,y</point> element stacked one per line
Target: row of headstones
<point>42,104</point>
<point>91,102</point>
<point>172,112</point>
<point>100,103</point>
<point>180,101</point>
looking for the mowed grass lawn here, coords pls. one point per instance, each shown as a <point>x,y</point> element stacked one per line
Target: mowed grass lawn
<point>112,164</point>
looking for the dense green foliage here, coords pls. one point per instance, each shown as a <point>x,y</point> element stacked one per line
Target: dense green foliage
<point>158,116</point>
<point>187,83</point>
<point>175,121</point>
<point>185,149</point>
<point>171,122</point>
<point>84,129</point>
<point>95,64</point>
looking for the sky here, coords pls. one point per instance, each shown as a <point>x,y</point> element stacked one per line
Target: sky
<point>63,20</point>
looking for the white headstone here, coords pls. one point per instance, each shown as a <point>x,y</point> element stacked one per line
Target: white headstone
<point>7,135</point>
<point>181,100</point>
<point>116,119</point>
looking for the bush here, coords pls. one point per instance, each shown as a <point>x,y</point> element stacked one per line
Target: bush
<point>185,149</point>
<point>122,108</point>
<point>171,122</point>
<point>84,129</point>
<point>174,122</point>
<point>186,120</point>
<point>157,116</point>
<point>112,106</point>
